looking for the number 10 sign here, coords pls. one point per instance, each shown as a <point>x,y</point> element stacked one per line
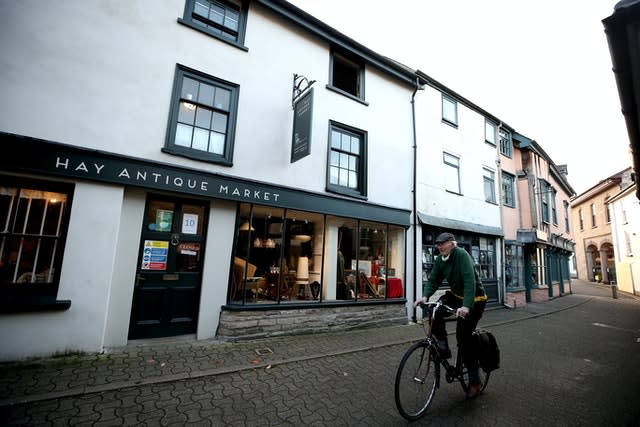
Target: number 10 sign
<point>190,224</point>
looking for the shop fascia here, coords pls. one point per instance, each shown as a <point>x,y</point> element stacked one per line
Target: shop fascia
<point>172,182</point>
<point>32,155</point>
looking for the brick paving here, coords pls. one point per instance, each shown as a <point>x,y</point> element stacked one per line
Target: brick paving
<point>134,370</point>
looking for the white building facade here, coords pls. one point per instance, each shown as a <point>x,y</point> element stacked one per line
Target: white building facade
<point>222,169</point>
<point>457,181</point>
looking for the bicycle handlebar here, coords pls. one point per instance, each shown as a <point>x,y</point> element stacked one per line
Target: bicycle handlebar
<point>436,306</point>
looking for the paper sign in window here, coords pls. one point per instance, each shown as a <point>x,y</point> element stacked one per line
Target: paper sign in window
<point>190,224</point>
<point>155,254</point>
<point>164,218</point>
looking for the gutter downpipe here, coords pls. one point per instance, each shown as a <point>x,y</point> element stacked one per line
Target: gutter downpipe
<point>502,287</point>
<point>415,202</point>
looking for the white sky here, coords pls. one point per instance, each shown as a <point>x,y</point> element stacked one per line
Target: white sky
<point>542,66</point>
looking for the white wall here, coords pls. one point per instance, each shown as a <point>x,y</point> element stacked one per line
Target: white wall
<point>100,75</point>
<point>110,89</point>
<point>466,142</point>
<point>215,272</point>
<point>86,274</point>
<point>124,272</point>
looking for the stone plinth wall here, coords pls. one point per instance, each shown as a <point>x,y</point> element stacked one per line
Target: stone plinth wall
<point>242,325</point>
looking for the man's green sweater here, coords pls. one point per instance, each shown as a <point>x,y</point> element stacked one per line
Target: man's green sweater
<point>463,279</point>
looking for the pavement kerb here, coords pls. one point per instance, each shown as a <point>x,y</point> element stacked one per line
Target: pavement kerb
<point>78,391</point>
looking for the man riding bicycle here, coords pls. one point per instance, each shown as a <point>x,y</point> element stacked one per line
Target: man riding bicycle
<point>466,295</point>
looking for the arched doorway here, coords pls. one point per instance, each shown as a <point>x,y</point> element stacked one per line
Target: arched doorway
<point>609,265</point>
<point>592,255</point>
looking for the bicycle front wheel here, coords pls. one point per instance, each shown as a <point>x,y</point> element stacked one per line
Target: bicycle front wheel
<point>416,381</point>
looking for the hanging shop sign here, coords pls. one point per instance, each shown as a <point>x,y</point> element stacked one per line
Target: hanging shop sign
<point>302,121</point>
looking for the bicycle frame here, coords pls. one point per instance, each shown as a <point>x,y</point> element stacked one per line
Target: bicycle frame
<point>452,372</point>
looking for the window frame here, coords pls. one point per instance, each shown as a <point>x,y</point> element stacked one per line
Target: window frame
<point>240,7</point>
<point>554,208</point>
<point>361,192</point>
<point>506,142</point>
<point>508,194</point>
<point>455,166</point>
<point>351,62</point>
<point>488,124</point>
<point>491,180</point>
<point>34,295</point>
<point>170,147</point>
<point>565,204</point>
<point>453,121</point>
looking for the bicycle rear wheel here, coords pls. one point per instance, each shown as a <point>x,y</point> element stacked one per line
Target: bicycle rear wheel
<point>484,378</point>
<point>416,381</point>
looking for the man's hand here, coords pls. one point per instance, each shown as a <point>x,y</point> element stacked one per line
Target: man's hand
<point>462,312</point>
<point>422,300</point>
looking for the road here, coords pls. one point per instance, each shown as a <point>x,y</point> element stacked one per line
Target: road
<point>576,367</point>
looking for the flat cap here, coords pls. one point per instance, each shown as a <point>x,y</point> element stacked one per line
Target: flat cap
<point>444,237</point>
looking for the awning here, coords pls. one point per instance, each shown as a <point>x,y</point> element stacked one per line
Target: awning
<point>453,224</point>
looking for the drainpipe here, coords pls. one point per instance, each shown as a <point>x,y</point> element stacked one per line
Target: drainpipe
<point>501,287</point>
<point>416,275</point>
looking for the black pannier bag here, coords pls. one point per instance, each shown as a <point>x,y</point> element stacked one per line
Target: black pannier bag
<point>487,350</point>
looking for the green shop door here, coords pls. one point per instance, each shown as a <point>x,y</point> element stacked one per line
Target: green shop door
<point>166,296</point>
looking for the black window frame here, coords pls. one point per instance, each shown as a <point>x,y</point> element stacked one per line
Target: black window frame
<point>197,22</point>
<point>170,147</point>
<point>508,194</point>
<point>361,192</point>
<point>35,294</point>
<point>348,61</point>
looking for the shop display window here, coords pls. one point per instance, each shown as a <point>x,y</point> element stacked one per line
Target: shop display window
<point>34,217</point>
<point>289,256</point>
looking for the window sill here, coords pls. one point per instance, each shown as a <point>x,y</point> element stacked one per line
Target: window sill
<point>196,155</point>
<point>450,123</point>
<point>215,36</point>
<point>347,94</point>
<point>345,192</point>
<point>22,304</point>
<point>454,192</point>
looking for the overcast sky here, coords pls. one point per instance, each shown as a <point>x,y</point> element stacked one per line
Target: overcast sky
<point>543,67</point>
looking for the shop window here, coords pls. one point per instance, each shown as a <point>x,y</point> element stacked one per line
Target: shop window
<point>347,75</point>
<point>284,256</point>
<point>34,218</point>
<point>347,160</point>
<point>514,271</point>
<point>483,254</point>
<point>223,19</point>
<point>203,117</point>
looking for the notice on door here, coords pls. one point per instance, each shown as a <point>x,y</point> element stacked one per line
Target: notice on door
<point>154,255</point>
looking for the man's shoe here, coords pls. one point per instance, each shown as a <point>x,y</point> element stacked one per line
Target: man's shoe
<point>473,390</point>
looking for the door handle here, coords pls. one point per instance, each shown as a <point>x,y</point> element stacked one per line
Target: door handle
<point>175,239</point>
<point>139,278</point>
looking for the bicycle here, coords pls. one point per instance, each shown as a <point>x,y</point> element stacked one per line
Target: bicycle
<point>418,375</point>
